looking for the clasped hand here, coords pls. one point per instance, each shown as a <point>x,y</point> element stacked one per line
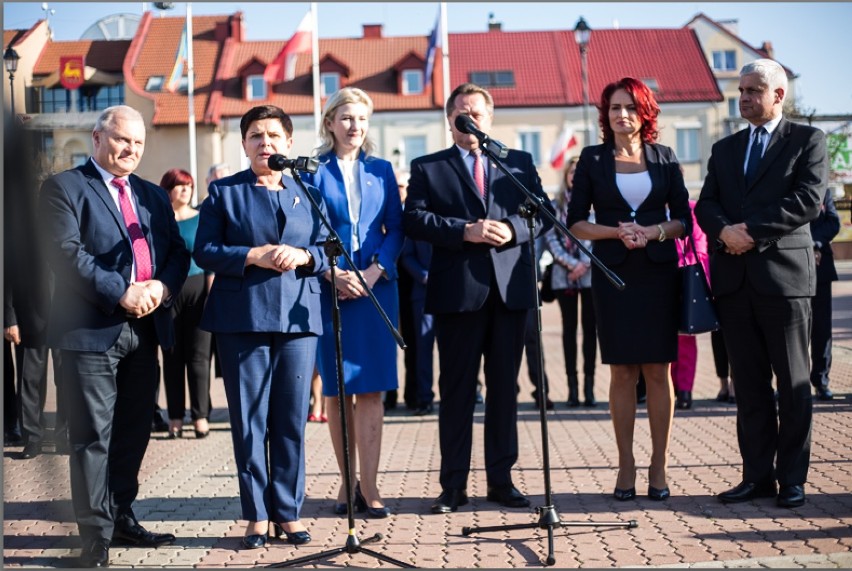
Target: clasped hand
<point>492,232</point>
<point>634,236</point>
<point>737,239</point>
<point>280,257</point>
<point>142,298</point>
<point>348,284</point>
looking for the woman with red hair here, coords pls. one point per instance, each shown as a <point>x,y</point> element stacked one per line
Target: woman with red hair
<point>636,189</point>
<point>188,362</point>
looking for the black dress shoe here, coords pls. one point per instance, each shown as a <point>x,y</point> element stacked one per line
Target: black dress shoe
<point>159,425</point>
<point>659,494</point>
<point>254,541</point>
<point>508,496</point>
<point>135,534</point>
<point>424,409</point>
<point>12,437</point>
<point>294,537</point>
<point>823,393</point>
<point>746,491</point>
<point>791,496</point>
<point>31,450</point>
<point>548,404</point>
<point>95,554</point>
<point>449,501</point>
<point>361,501</point>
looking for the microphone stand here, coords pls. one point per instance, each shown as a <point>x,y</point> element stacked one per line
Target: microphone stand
<point>333,248</point>
<point>548,516</point>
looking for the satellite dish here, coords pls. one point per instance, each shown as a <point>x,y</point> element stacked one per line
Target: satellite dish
<point>113,27</point>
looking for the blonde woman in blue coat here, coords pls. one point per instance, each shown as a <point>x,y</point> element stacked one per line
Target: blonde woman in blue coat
<point>362,197</point>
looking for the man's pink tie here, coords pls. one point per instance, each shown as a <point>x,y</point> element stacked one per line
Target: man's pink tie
<point>141,251</point>
<point>479,173</point>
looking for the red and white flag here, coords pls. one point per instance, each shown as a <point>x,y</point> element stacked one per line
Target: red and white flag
<point>560,148</point>
<point>283,68</point>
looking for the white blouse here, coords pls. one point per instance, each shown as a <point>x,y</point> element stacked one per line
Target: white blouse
<point>634,187</point>
<point>352,184</point>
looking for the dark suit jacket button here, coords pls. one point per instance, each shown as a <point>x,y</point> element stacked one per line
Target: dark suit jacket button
<point>633,214</point>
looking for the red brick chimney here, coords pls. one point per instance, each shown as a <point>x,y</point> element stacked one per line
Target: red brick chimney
<point>372,31</point>
<point>770,51</point>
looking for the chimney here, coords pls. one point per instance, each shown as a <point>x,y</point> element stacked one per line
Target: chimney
<point>238,29</point>
<point>373,31</point>
<point>493,24</point>
<point>770,51</point>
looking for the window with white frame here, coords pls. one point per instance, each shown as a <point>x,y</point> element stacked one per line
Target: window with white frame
<point>412,81</point>
<point>687,143</point>
<point>413,146</point>
<point>724,60</point>
<point>733,107</point>
<point>530,141</point>
<point>329,83</point>
<point>255,87</point>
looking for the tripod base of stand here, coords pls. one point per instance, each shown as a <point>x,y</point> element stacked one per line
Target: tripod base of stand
<point>549,519</point>
<point>353,546</point>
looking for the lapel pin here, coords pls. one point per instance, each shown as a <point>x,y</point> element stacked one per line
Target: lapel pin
<point>295,202</point>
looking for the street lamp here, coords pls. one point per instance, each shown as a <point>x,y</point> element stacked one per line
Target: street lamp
<point>582,35</point>
<point>10,60</point>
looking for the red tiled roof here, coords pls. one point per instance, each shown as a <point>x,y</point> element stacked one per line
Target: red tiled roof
<point>547,65</point>
<point>104,55</point>
<point>14,37</point>
<point>158,40</point>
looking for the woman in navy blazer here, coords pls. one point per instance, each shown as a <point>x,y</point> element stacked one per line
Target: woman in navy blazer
<point>258,234</point>
<point>364,207</point>
<point>640,202</point>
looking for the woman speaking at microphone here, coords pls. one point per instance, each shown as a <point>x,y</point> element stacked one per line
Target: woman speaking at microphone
<point>258,234</point>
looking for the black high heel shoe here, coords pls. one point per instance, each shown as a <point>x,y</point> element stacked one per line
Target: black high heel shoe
<point>295,537</point>
<point>360,501</point>
<point>658,494</point>
<point>254,541</point>
<point>624,495</point>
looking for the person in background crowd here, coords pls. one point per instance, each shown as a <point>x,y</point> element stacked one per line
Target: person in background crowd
<point>258,233</point>
<point>764,185</point>
<point>532,343</point>
<point>407,322</point>
<point>572,282</point>
<point>215,172</point>
<point>364,207</point>
<point>823,230</point>
<point>633,235</point>
<point>415,259</point>
<point>187,363</point>
<point>317,413</point>
<point>478,293</point>
<point>119,262</point>
<point>683,370</point>
<point>720,361</point>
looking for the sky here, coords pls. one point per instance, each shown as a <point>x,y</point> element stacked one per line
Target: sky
<point>810,38</point>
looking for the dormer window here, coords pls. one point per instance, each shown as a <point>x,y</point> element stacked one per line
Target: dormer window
<point>412,81</point>
<point>255,88</point>
<point>155,83</point>
<point>329,83</point>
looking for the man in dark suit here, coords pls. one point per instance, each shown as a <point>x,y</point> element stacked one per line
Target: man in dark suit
<point>764,186</point>
<point>479,291</point>
<point>118,261</point>
<point>823,231</point>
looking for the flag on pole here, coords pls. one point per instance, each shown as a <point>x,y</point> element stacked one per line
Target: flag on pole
<point>173,82</point>
<point>560,148</point>
<point>435,42</point>
<point>283,68</point>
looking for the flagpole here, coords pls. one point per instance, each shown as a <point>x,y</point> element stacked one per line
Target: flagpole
<point>315,69</point>
<point>445,69</point>
<point>190,93</point>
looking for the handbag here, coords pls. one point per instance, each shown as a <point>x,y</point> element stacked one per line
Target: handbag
<point>697,311</point>
<point>547,293</point>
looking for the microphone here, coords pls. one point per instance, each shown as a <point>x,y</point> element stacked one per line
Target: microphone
<point>466,125</point>
<point>304,164</point>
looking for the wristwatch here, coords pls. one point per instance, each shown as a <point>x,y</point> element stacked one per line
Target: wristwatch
<point>379,264</point>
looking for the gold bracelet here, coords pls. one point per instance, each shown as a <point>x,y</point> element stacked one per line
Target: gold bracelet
<point>662,237</point>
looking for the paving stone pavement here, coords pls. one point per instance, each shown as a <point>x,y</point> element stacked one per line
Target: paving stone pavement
<point>188,487</point>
